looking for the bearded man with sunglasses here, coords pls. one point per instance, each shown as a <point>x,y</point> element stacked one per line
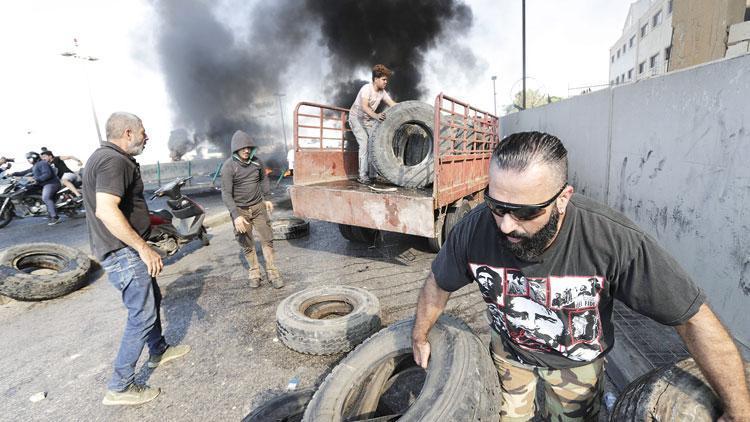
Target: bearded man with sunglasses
<point>534,230</point>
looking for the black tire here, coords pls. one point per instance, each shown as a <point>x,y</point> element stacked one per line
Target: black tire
<point>460,384</point>
<point>676,392</point>
<point>401,146</point>
<point>346,232</point>
<point>287,407</point>
<point>7,215</point>
<point>68,267</point>
<point>289,228</point>
<point>454,214</point>
<point>303,323</point>
<point>358,234</point>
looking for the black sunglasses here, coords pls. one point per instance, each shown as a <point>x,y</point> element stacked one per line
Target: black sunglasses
<point>518,211</point>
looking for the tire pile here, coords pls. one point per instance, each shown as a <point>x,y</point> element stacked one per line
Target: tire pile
<point>378,380</point>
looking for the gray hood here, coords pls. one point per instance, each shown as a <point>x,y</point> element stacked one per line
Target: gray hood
<point>241,140</point>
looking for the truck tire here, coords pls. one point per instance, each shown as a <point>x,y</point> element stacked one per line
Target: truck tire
<point>287,407</point>
<point>327,319</point>
<point>460,384</point>
<point>400,147</point>
<point>289,228</point>
<point>454,214</point>
<point>40,271</point>
<point>358,234</point>
<point>676,392</point>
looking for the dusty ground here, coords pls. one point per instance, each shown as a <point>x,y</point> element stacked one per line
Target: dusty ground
<point>65,346</point>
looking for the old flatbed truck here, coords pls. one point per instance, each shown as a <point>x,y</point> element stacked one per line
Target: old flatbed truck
<point>326,165</point>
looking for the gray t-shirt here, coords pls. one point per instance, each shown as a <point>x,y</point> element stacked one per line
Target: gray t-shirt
<point>111,170</point>
<point>557,311</point>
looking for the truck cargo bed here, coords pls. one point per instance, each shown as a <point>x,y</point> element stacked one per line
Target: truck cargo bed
<point>349,202</point>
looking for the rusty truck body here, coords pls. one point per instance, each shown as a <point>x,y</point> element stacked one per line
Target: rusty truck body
<point>326,164</point>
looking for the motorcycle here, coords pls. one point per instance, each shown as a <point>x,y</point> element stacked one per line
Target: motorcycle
<point>182,223</point>
<point>22,198</point>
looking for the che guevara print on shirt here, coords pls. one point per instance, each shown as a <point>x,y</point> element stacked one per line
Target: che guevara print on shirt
<point>554,313</point>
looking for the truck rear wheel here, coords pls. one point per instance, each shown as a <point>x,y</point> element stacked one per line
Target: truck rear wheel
<point>358,234</point>
<point>454,214</point>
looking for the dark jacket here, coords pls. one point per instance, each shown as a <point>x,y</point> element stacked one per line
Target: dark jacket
<point>243,185</point>
<point>44,174</point>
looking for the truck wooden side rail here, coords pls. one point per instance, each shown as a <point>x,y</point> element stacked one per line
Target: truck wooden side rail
<point>326,166</point>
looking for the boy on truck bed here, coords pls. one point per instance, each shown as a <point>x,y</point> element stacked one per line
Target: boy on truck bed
<point>362,115</point>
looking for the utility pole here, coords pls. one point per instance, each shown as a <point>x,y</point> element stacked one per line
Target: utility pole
<point>283,127</point>
<point>523,49</point>
<point>494,93</point>
<point>74,54</point>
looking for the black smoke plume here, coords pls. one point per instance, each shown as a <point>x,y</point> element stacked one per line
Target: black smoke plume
<point>220,60</point>
<point>398,34</point>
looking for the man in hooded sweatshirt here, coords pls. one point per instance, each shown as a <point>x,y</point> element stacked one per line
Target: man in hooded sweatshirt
<point>244,188</point>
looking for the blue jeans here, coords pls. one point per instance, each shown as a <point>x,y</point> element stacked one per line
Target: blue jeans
<point>142,297</point>
<point>48,196</point>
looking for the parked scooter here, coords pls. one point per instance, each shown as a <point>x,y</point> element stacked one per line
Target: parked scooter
<point>172,228</point>
<point>21,198</point>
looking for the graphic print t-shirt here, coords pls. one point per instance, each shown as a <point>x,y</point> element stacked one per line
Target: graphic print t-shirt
<point>557,311</point>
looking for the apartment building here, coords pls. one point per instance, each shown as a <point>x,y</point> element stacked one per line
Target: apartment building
<point>645,46</point>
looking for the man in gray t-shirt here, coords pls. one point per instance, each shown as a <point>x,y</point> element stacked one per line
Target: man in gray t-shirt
<point>118,223</point>
<point>549,264</point>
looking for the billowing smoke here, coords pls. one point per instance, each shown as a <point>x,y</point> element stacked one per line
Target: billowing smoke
<point>223,62</point>
<point>359,34</point>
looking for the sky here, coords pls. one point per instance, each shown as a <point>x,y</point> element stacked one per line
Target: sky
<point>46,102</point>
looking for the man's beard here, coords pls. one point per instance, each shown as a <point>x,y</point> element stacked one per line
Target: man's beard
<point>134,148</point>
<point>530,247</point>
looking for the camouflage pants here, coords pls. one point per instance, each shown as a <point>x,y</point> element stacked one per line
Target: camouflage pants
<point>571,394</point>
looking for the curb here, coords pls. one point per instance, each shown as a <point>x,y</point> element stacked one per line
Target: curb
<point>217,219</point>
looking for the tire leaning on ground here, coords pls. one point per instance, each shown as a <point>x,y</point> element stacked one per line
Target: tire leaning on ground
<point>380,379</point>
<point>677,392</point>
<point>401,146</point>
<point>287,407</point>
<point>289,228</point>
<point>39,271</point>
<point>327,319</point>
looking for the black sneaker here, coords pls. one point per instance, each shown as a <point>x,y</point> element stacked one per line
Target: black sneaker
<point>53,221</point>
<point>365,181</point>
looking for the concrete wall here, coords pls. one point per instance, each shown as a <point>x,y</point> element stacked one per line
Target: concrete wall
<point>672,153</point>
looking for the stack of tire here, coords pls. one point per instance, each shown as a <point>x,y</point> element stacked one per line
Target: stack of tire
<point>379,380</point>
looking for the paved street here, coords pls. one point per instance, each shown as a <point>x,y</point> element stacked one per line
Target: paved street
<point>65,346</point>
<point>72,231</point>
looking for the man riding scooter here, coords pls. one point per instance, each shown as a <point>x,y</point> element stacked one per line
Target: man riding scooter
<point>44,177</point>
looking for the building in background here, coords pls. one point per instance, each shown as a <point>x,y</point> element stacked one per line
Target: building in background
<point>665,35</point>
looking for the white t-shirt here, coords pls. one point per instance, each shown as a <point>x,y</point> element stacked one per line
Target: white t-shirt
<point>368,91</point>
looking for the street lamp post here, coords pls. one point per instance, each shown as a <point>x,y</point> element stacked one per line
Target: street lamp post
<point>283,128</point>
<point>74,55</point>
<point>494,93</point>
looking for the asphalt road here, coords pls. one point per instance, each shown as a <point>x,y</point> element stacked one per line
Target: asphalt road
<point>65,347</point>
<point>72,231</point>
